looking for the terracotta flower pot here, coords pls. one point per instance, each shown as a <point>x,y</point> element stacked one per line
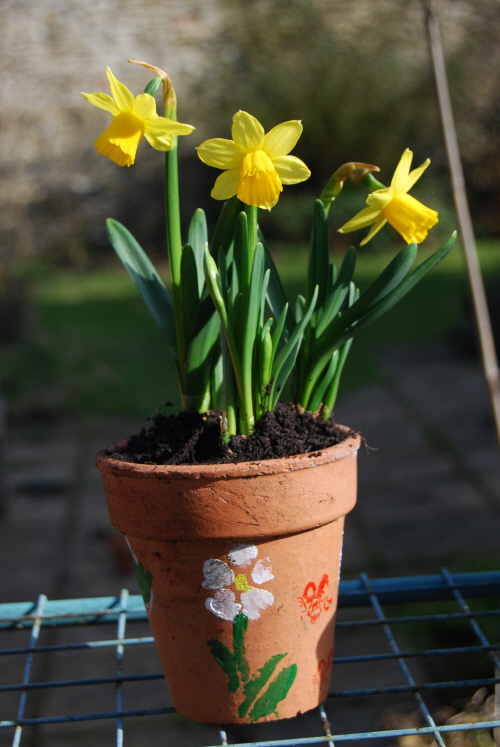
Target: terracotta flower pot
<point>238,565</point>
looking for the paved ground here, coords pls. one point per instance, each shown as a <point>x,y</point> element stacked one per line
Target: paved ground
<point>429,489</point>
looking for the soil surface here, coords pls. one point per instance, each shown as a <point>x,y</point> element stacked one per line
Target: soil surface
<point>191,438</point>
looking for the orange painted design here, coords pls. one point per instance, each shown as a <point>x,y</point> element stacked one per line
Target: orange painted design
<point>322,679</point>
<point>314,600</point>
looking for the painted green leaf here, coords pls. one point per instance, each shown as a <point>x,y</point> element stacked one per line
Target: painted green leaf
<point>255,685</point>
<point>227,660</point>
<point>277,691</point>
<point>240,625</point>
<point>144,577</point>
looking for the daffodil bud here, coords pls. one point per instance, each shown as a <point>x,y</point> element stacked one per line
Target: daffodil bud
<point>169,97</point>
<point>354,171</point>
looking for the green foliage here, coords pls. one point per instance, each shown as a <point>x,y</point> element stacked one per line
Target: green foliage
<point>91,346</point>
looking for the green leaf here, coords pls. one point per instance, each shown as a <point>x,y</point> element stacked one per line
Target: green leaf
<point>198,239</point>
<point>351,321</point>
<point>265,285</point>
<point>157,298</point>
<point>223,278</point>
<point>300,308</point>
<point>279,328</point>
<point>217,377</point>
<point>320,390</point>
<point>276,296</point>
<point>284,363</point>
<point>389,300</point>
<point>276,692</point>
<point>190,292</point>
<point>265,362</point>
<point>224,230</point>
<point>339,291</point>
<point>213,283</point>
<point>255,685</point>
<point>331,394</point>
<point>203,343</point>
<point>241,253</point>
<point>227,660</point>
<point>253,310</point>
<point>317,271</point>
<point>389,279</point>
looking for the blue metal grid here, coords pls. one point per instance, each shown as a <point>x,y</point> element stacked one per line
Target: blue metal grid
<point>433,601</point>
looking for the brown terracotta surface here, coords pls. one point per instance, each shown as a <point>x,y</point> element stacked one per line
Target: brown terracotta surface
<point>303,630</point>
<point>178,518</point>
<point>247,500</point>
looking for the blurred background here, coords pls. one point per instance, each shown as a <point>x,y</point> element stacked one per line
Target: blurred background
<point>73,334</point>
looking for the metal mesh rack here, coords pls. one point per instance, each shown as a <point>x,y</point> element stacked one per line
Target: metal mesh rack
<point>86,671</point>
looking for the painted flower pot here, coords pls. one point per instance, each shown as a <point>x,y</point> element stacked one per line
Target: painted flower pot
<point>238,565</point>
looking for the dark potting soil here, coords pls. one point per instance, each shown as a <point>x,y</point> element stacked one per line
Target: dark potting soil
<point>191,438</point>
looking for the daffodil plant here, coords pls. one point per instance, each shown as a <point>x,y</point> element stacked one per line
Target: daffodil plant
<point>235,340</point>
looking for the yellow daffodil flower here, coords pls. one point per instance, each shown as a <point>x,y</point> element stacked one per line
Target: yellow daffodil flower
<point>133,119</point>
<point>393,205</point>
<point>255,165</point>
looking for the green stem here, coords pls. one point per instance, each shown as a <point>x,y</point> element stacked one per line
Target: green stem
<point>229,395</point>
<point>174,249</point>
<point>372,184</point>
<point>251,212</point>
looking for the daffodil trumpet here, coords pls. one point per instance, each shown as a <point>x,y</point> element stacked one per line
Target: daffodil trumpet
<point>236,341</point>
<point>133,120</point>
<point>395,206</point>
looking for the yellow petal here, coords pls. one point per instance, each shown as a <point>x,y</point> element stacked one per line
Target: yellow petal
<point>103,101</point>
<point>247,132</point>
<point>410,218</point>
<point>415,175</point>
<point>226,185</point>
<point>282,139</point>
<point>166,126</point>
<point>380,223</point>
<point>144,106</point>
<point>159,141</point>
<point>119,142</point>
<point>363,219</point>
<point>380,198</point>
<point>123,97</point>
<point>220,153</point>
<point>402,170</point>
<point>291,170</point>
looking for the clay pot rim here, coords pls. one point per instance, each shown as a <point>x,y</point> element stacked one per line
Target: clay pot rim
<point>226,471</point>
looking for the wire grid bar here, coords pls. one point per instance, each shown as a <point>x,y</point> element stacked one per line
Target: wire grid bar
<point>396,590</point>
<point>121,609</point>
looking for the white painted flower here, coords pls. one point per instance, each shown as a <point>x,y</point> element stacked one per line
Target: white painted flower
<point>262,571</point>
<point>219,575</point>
<point>242,555</point>
<point>223,604</point>
<point>254,601</point>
